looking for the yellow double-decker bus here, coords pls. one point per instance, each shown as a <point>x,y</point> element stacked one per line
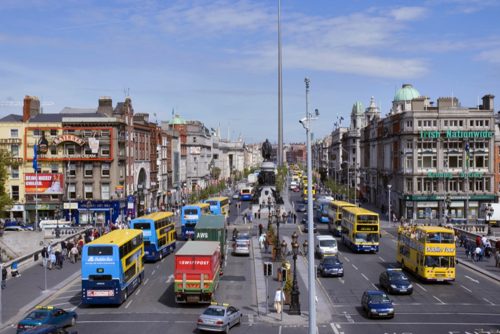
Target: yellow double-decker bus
<point>427,251</point>
<point>335,216</point>
<point>360,229</point>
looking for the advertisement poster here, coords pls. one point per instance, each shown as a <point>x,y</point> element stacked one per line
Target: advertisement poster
<point>46,184</point>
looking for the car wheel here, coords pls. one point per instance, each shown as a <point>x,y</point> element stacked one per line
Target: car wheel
<point>239,320</point>
<point>73,321</point>
<point>226,330</point>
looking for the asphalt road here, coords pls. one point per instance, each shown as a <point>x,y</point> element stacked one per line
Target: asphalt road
<point>469,305</point>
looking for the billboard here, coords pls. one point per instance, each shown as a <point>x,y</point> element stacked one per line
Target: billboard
<point>44,184</point>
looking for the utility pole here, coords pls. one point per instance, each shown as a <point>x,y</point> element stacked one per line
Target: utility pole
<point>389,186</point>
<point>280,93</point>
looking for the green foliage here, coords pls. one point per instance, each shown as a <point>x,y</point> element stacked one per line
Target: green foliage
<point>209,191</point>
<point>339,189</point>
<point>5,162</point>
<point>215,172</point>
<point>281,178</point>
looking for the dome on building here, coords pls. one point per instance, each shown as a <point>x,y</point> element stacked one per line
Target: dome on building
<point>357,108</point>
<point>177,120</point>
<point>406,93</point>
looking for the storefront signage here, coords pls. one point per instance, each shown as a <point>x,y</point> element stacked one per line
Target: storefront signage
<point>448,175</point>
<point>43,183</point>
<point>456,134</point>
<point>418,198</point>
<point>71,138</point>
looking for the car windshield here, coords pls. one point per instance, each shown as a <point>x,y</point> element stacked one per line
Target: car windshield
<point>398,276</point>
<point>378,299</point>
<point>331,260</point>
<point>38,315</point>
<point>242,244</point>
<point>243,236</point>
<point>214,311</point>
<point>327,243</point>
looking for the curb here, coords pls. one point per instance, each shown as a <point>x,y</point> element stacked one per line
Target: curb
<point>479,270</point>
<point>9,323</point>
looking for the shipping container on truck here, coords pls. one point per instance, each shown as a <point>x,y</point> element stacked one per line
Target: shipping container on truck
<point>212,228</point>
<point>197,271</point>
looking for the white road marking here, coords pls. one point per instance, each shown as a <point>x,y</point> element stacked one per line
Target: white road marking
<point>421,287</point>
<point>250,320</point>
<point>348,317</point>
<point>354,266</point>
<point>75,290</point>
<point>439,300</point>
<point>486,300</point>
<point>381,258</point>
<point>466,288</point>
<point>146,281</point>
<point>376,287</point>
<point>128,304</point>
<point>364,276</point>
<point>138,290</point>
<point>157,266</point>
<point>279,330</point>
<point>153,272</point>
<point>347,259</point>
<point>335,329</point>
<point>170,279</point>
<point>472,279</point>
<point>75,307</point>
<point>342,280</point>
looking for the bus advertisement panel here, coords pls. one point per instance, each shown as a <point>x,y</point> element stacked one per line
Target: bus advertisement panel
<point>360,229</point>
<point>112,267</point>
<point>159,234</point>
<point>427,251</point>
<point>335,216</point>
<point>219,205</point>
<point>190,215</point>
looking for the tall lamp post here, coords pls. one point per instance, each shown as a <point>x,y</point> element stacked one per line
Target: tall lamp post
<point>389,186</point>
<point>489,212</point>
<point>277,245</point>
<point>295,302</point>
<point>306,123</point>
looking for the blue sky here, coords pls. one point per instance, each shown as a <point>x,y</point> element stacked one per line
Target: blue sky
<point>216,61</point>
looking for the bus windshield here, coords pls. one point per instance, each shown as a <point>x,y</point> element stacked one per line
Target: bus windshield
<point>366,237</point>
<point>212,203</point>
<point>440,238</point>
<point>142,226</point>
<point>367,218</point>
<point>100,250</point>
<point>440,261</point>
<point>190,211</point>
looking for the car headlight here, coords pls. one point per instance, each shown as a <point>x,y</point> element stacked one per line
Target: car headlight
<point>341,269</point>
<point>394,286</point>
<point>390,309</point>
<point>373,310</point>
<point>410,286</point>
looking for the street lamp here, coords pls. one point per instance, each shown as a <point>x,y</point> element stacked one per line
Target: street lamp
<point>489,212</point>
<point>295,302</point>
<point>389,186</point>
<point>306,123</point>
<point>283,249</point>
<point>305,247</point>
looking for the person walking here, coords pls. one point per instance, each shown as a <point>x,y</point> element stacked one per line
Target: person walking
<point>262,240</point>
<point>4,276</point>
<point>294,218</point>
<point>45,256</point>
<point>279,299</point>
<point>261,228</point>
<point>73,254</point>
<point>52,260</point>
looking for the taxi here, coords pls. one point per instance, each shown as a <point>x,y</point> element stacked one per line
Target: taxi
<point>219,317</point>
<point>47,315</point>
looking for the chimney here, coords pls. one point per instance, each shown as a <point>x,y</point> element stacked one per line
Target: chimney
<point>105,106</point>
<point>31,107</point>
<point>488,102</point>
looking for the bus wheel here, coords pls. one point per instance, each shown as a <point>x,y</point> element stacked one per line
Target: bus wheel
<point>139,280</point>
<point>73,321</point>
<point>402,264</point>
<point>125,296</point>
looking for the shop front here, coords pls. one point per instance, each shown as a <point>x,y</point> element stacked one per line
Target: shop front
<point>95,212</point>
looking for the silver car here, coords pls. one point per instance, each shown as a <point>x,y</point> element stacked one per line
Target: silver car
<point>219,318</point>
<point>241,247</point>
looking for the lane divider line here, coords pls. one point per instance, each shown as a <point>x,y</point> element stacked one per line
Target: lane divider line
<point>354,266</point>
<point>466,288</point>
<point>439,300</point>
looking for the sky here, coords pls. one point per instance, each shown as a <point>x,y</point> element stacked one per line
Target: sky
<point>217,61</point>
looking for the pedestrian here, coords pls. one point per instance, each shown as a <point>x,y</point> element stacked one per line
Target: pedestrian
<point>45,256</point>
<point>74,254</point>
<point>64,249</point>
<point>262,239</point>
<point>14,271</point>
<point>52,260</point>
<point>294,218</point>
<point>266,245</point>
<point>57,255</point>
<point>477,254</point>
<point>244,218</point>
<point>260,229</point>
<point>4,276</point>
<point>258,213</point>
<point>255,215</point>
<point>279,298</point>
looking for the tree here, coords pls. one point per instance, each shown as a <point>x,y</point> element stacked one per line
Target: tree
<point>5,161</point>
<point>215,173</point>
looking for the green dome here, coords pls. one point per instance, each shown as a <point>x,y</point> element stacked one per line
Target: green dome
<point>406,93</point>
<point>357,108</point>
<point>177,120</point>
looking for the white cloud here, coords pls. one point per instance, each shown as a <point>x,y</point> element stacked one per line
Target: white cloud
<point>490,56</point>
<point>408,13</point>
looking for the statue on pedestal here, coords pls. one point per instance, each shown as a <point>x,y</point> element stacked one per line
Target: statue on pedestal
<point>267,150</point>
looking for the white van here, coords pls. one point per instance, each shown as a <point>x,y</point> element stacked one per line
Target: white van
<point>325,245</point>
<point>53,223</point>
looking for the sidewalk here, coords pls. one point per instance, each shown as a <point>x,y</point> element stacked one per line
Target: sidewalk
<point>485,266</point>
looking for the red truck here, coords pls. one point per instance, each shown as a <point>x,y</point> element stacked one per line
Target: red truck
<point>197,271</point>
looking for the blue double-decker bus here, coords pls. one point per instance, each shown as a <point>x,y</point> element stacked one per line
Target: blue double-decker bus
<point>219,205</point>
<point>159,234</point>
<point>190,215</point>
<point>112,267</point>
<point>246,194</point>
<point>322,208</point>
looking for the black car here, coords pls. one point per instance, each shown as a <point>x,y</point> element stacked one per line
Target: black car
<point>331,266</point>
<point>301,208</point>
<point>393,280</point>
<point>305,226</point>
<point>377,304</point>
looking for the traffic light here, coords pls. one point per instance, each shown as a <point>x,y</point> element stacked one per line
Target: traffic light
<point>284,272</point>
<point>268,269</point>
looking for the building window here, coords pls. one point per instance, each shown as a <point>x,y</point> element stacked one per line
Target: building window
<point>427,185</point>
<point>53,150</point>
<point>69,149</point>
<point>14,172</point>
<point>409,144</point>
<point>14,133</point>
<point>427,161</point>
<point>104,191</point>
<point>105,170</point>
<point>434,123</point>
<point>72,191</point>
<point>105,134</point>
<point>480,161</point>
<point>419,184</point>
<point>479,185</point>
<point>461,123</point>
<point>37,133</point>
<point>14,150</point>
<point>87,133</point>
<point>409,162</point>
<point>486,123</point>
<point>54,168</point>
<point>105,150</point>
<point>194,139</point>
<point>419,124</point>
<point>445,122</point>
<point>454,161</point>
<point>88,170</point>
<point>72,170</point>
<point>88,193</point>
<point>87,150</point>
<point>15,193</point>
<point>53,132</point>
<point>409,185</point>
